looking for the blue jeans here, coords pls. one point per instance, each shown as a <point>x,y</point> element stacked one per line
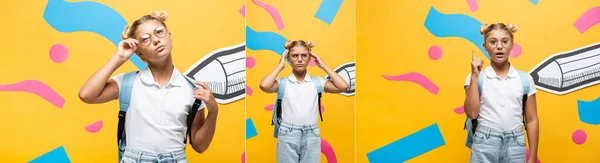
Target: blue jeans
<point>298,143</point>
<point>134,156</point>
<point>493,146</point>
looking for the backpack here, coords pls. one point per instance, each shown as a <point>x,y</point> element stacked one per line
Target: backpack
<point>276,120</point>
<point>124,100</point>
<point>471,124</point>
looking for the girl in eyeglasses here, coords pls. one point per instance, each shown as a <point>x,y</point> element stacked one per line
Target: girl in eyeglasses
<point>161,98</point>
<point>499,110</point>
<point>298,136</point>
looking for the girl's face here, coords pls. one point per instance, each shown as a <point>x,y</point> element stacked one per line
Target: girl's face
<point>155,42</point>
<point>498,45</point>
<point>299,57</point>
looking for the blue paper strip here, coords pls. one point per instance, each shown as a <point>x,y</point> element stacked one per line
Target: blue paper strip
<point>408,147</point>
<point>328,9</point>
<point>250,129</point>
<point>589,112</point>
<point>265,41</point>
<point>455,25</point>
<point>57,155</point>
<point>534,1</point>
<point>88,16</point>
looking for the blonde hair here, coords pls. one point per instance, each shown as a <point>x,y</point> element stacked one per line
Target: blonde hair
<point>160,16</point>
<point>510,28</point>
<point>307,44</point>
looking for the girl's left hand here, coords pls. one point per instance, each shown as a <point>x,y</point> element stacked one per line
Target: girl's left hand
<point>205,94</point>
<point>318,60</point>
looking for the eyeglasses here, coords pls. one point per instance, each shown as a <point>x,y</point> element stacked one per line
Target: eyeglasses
<point>494,42</point>
<point>159,32</point>
<point>298,56</point>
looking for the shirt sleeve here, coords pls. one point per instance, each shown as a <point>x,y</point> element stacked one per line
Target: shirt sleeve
<point>119,79</point>
<point>532,87</point>
<point>322,81</point>
<point>468,80</point>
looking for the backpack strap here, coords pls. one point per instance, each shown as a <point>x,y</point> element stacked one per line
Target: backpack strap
<point>193,111</point>
<point>124,101</point>
<point>280,92</point>
<point>525,83</point>
<point>276,118</point>
<point>480,82</point>
<point>281,88</point>
<point>319,88</point>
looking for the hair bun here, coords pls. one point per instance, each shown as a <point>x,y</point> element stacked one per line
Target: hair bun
<point>483,28</point>
<point>125,33</point>
<point>512,28</point>
<point>287,44</point>
<point>310,44</point>
<point>160,15</point>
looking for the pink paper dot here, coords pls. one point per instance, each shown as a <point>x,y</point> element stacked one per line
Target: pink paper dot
<point>58,53</point>
<point>459,110</point>
<point>243,10</point>
<point>248,90</point>
<point>579,137</point>
<point>250,62</point>
<point>322,108</point>
<point>244,157</point>
<point>94,127</point>
<point>435,52</point>
<point>269,107</point>
<point>473,5</point>
<point>516,51</point>
<point>312,62</point>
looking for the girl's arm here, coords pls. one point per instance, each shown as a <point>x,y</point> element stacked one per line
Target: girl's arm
<point>532,125</point>
<point>337,83</point>
<point>471,104</point>
<point>268,84</point>
<point>99,88</point>
<point>203,130</point>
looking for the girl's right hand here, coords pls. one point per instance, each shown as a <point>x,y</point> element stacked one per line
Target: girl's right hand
<point>126,48</point>
<point>476,65</point>
<point>283,57</point>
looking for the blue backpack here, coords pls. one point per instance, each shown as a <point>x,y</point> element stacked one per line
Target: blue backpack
<point>471,124</point>
<point>124,100</point>
<point>276,120</point>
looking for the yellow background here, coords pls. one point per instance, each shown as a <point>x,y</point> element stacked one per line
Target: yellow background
<point>393,40</point>
<point>31,126</point>
<point>335,44</point>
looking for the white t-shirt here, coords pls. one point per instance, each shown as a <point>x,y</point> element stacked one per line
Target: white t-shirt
<point>300,101</point>
<point>156,120</point>
<point>501,99</point>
